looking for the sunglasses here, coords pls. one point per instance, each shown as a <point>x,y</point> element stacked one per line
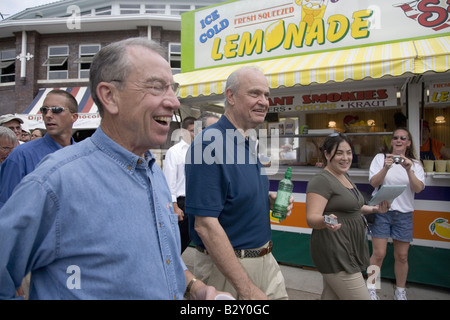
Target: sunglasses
<point>54,110</point>
<point>336,135</point>
<point>403,138</point>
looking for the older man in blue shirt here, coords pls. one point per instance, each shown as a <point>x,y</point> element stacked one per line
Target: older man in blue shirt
<point>59,112</point>
<point>228,199</point>
<point>94,220</point>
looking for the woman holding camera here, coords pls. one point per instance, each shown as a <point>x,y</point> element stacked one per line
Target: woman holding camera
<point>400,167</point>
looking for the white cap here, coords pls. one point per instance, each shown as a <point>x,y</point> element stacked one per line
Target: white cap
<point>8,117</point>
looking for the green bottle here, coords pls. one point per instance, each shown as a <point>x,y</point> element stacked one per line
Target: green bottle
<point>283,195</point>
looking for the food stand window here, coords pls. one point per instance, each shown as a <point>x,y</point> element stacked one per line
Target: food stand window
<point>365,114</point>
<point>436,112</point>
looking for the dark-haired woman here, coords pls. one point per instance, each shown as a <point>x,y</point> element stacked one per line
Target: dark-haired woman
<point>397,223</point>
<point>340,252</point>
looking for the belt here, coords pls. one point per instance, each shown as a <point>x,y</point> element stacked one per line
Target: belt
<point>246,253</point>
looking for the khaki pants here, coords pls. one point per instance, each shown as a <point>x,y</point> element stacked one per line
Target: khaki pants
<point>263,271</point>
<point>344,286</point>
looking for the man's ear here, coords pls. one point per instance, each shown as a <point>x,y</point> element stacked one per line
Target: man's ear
<point>230,97</point>
<point>108,94</point>
<point>74,117</point>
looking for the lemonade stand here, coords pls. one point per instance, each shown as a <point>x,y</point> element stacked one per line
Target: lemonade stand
<point>328,61</point>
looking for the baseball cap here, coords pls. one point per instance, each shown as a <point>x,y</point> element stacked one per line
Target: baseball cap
<point>25,127</point>
<point>8,117</point>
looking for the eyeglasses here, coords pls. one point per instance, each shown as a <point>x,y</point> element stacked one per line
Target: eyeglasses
<point>54,110</point>
<point>403,138</point>
<point>6,149</point>
<point>157,87</point>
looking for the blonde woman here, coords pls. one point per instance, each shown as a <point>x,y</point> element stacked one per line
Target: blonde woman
<point>400,166</point>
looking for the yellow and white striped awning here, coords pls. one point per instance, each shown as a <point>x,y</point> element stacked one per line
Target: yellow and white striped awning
<point>393,59</point>
<point>432,55</point>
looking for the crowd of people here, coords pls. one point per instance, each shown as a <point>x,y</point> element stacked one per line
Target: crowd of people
<point>99,219</point>
<point>17,134</point>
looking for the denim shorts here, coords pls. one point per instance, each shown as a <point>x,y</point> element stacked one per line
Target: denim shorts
<point>393,224</point>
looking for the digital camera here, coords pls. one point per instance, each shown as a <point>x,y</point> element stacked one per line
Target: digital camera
<point>397,159</point>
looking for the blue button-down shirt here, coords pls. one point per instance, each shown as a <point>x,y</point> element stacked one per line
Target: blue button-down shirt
<point>21,161</point>
<point>93,221</point>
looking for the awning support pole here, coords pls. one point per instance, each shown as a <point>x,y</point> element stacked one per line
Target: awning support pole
<point>414,102</point>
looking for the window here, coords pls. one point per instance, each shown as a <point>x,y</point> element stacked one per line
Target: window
<point>179,9</point>
<point>155,8</point>
<point>56,63</point>
<point>175,57</point>
<point>103,11</point>
<point>130,8</point>
<point>87,53</point>
<point>7,66</point>
<point>86,13</point>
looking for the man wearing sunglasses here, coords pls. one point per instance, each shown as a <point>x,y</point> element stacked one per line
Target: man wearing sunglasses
<point>59,112</point>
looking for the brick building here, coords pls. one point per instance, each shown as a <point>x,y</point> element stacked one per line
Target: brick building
<point>51,46</point>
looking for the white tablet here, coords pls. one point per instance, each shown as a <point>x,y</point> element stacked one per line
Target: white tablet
<point>387,192</point>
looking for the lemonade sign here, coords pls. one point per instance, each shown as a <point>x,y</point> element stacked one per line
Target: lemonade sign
<point>248,30</point>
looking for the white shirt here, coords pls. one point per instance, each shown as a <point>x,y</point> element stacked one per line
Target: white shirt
<point>397,175</point>
<point>174,169</point>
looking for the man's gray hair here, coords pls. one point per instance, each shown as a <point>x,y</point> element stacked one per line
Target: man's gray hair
<point>111,63</point>
<point>8,134</point>
<point>205,116</point>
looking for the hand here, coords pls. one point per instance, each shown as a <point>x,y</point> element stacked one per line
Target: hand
<point>332,227</point>
<point>273,196</point>
<point>252,292</point>
<point>20,292</point>
<point>382,207</point>
<point>388,161</point>
<point>290,206</point>
<point>406,163</point>
<point>178,212</point>
<point>207,293</point>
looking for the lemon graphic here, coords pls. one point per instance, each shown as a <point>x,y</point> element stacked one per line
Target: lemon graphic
<point>274,35</point>
<point>441,227</point>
